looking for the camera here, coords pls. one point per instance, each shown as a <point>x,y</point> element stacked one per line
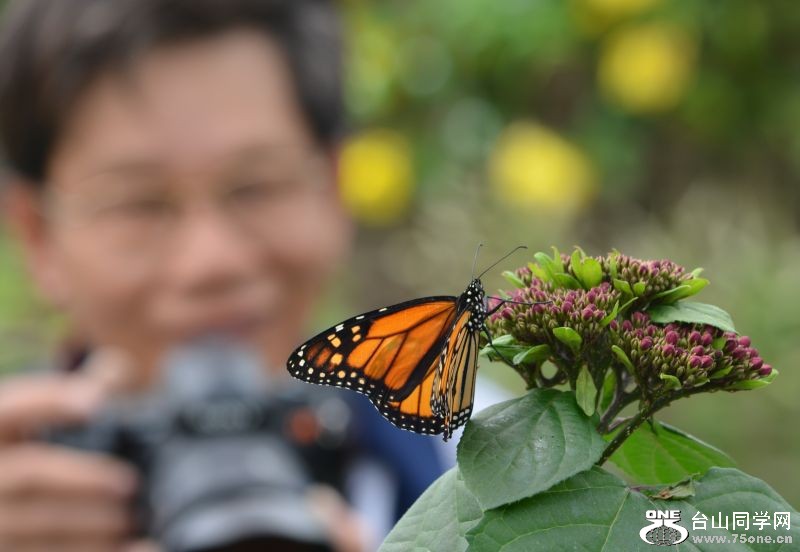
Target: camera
<point>226,455</point>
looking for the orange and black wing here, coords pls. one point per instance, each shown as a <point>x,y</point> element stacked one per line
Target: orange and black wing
<point>390,355</point>
<point>454,378</point>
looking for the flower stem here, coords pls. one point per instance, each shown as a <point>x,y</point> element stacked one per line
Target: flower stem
<point>634,423</point>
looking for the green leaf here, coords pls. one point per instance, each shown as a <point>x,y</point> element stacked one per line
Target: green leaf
<point>610,316</point>
<point>538,272</point>
<point>639,288</point>
<point>438,520</point>
<point>558,264</point>
<point>627,304</point>
<point>612,264</point>
<point>696,272</point>
<point>609,387</point>
<point>513,279</point>
<point>576,260</point>
<point>623,358</point>
<point>567,281</point>
<point>663,454</point>
<point>534,355</point>
<point>622,286</point>
<point>595,511</point>
<point>694,313</point>
<point>672,381</point>
<point>695,285</point>
<point>754,383</point>
<point>722,372</point>
<point>547,264</point>
<point>585,391</point>
<point>517,448</point>
<point>506,345</point>
<point>670,295</point>
<point>686,289</point>
<point>592,272</point>
<point>568,337</point>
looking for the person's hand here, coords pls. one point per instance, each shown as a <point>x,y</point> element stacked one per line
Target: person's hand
<point>51,497</point>
<point>347,531</point>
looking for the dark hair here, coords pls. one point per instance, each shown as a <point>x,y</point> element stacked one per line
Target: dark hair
<point>51,50</point>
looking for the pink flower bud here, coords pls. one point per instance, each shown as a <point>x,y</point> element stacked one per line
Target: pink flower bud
<point>765,370</point>
<point>668,349</point>
<point>744,341</point>
<point>599,314</point>
<point>646,343</point>
<point>671,337</point>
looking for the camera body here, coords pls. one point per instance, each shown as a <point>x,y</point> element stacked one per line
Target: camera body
<point>225,455</point>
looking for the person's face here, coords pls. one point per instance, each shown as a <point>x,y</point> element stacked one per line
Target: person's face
<point>189,197</point>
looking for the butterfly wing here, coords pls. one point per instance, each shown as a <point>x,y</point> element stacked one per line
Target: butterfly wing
<point>453,388</point>
<point>389,354</point>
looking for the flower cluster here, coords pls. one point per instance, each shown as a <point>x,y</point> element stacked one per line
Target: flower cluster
<point>540,308</point>
<point>658,276</point>
<point>684,356</point>
<point>622,320</point>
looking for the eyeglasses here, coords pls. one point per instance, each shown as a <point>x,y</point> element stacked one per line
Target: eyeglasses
<point>135,210</point>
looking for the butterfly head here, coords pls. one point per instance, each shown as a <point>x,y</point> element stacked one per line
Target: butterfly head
<point>475,290</point>
<point>473,299</point>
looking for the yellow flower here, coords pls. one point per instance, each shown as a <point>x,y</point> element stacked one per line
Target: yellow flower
<point>647,68</point>
<point>533,167</point>
<point>376,177</point>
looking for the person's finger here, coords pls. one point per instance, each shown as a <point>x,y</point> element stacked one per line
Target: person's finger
<point>64,520</point>
<point>346,529</point>
<point>142,546</point>
<point>33,402</point>
<point>33,468</point>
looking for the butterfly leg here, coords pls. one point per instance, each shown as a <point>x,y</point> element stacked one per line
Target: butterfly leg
<point>489,336</point>
<point>504,301</point>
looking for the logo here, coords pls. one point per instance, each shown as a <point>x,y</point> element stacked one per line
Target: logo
<point>663,529</point>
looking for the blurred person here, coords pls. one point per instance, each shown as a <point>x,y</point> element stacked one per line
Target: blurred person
<point>171,175</point>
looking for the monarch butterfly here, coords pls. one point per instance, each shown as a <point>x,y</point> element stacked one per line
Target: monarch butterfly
<point>416,361</point>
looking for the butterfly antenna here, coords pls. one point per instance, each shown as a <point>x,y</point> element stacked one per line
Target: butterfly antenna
<point>475,260</point>
<point>501,259</point>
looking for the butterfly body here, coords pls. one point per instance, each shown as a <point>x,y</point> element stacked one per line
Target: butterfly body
<point>416,361</point>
